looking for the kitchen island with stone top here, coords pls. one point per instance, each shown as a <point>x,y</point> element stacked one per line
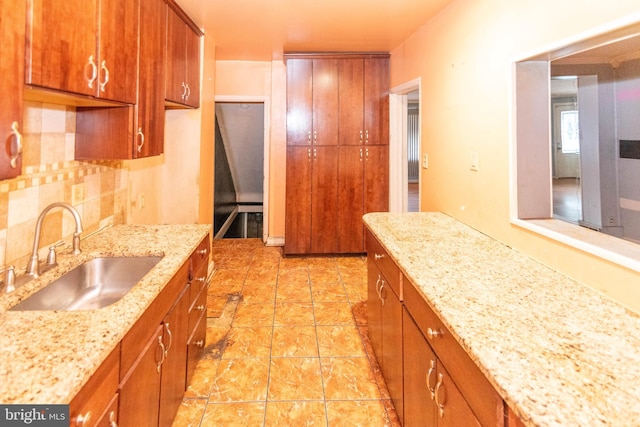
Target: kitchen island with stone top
<point>47,356</point>
<point>558,352</point>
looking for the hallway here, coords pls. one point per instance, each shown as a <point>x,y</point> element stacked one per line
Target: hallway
<point>286,344</point>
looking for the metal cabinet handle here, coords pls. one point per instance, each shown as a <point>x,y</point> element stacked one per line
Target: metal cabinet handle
<point>94,72</point>
<point>166,328</point>
<point>378,256</point>
<point>188,92</point>
<point>103,67</point>
<point>203,252</point>
<point>360,153</point>
<point>82,420</point>
<point>378,285</point>
<point>201,307</point>
<point>309,154</point>
<point>366,153</point>
<point>432,369</point>
<point>309,137</point>
<point>366,138</point>
<point>184,91</point>
<point>315,153</point>
<point>382,298</point>
<point>163,352</point>
<point>199,343</point>
<point>16,145</point>
<point>440,402</point>
<point>361,138</point>
<point>315,136</point>
<point>433,333</point>
<point>140,136</point>
<point>112,419</point>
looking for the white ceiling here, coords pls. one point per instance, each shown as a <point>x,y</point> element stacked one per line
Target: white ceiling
<point>264,29</point>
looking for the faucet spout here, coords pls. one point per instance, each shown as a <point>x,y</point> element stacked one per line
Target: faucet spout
<point>33,268</point>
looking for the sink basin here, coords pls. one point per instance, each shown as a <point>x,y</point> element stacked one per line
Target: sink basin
<point>94,284</point>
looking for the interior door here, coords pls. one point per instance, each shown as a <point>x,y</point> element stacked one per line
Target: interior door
<point>565,132</point>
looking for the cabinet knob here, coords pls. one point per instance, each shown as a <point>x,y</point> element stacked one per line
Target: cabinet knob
<point>433,333</point>
<point>378,256</point>
<point>199,343</point>
<point>203,252</point>
<point>201,307</point>
<point>16,145</point>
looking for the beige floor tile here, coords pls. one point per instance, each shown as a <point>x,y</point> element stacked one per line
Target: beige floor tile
<point>296,414</point>
<point>202,380</point>
<point>262,275</point>
<point>339,341</point>
<point>293,276</point>
<point>293,262</point>
<point>295,378</point>
<point>348,378</point>
<point>323,274</point>
<point>328,292</point>
<point>333,313</point>
<point>357,413</point>
<point>249,414</point>
<point>294,341</point>
<point>240,380</point>
<point>258,294</point>
<point>248,342</point>
<point>293,292</point>
<point>216,340</point>
<point>294,314</point>
<point>253,315</point>
<point>190,413</point>
<point>228,278</point>
<point>321,261</point>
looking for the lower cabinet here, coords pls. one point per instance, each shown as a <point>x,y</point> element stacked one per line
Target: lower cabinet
<point>143,380</point>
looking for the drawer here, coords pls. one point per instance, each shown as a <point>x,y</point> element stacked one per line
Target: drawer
<point>200,257</point>
<point>482,398</point>
<point>198,283</point>
<point>385,263</point>
<point>98,393</point>
<point>196,310</point>
<point>195,346</point>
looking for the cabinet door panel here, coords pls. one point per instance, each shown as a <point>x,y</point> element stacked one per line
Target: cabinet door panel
<point>325,102</point>
<point>456,410</point>
<point>420,376</point>
<point>299,101</point>
<point>376,101</point>
<point>324,200</point>
<point>118,50</point>
<point>350,195</point>
<point>176,58</point>
<point>376,178</point>
<point>351,98</point>
<point>151,80</point>
<point>174,368</point>
<point>192,76</point>
<point>140,389</point>
<point>12,18</point>
<point>392,345</point>
<point>374,308</point>
<point>298,201</point>
<point>62,39</point>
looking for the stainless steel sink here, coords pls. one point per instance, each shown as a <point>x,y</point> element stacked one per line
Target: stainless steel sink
<point>94,284</point>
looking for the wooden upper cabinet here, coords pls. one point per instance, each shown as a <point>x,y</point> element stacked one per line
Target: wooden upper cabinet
<point>12,18</point>
<point>376,101</point>
<point>351,85</point>
<point>182,85</point>
<point>299,101</point>
<point>86,47</point>
<point>325,101</point>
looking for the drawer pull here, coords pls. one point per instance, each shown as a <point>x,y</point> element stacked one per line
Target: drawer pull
<point>204,251</point>
<point>380,293</point>
<point>112,419</point>
<point>201,307</point>
<point>440,402</point>
<point>199,343</point>
<point>200,279</point>
<point>163,352</point>
<point>432,369</point>
<point>433,333</point>
<point>166,328</point>
<point>82,420</point>
<point>378,256</point>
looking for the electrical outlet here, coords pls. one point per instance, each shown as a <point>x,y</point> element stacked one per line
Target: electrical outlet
<point>425,161</point>
<point>474,161</point>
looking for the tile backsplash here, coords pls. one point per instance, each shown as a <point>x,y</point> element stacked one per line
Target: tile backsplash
<point>97,189</point>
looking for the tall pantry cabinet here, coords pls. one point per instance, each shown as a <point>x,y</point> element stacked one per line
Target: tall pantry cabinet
<point>337,149</point>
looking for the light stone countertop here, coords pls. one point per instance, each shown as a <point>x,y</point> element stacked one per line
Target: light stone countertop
<point>47,356</point>
<point>557,351</point>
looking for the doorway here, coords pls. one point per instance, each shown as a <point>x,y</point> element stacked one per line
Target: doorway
<point>241,187</point>
<point>404,147</point>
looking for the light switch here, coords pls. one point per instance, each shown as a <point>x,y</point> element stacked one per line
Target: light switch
<point>425,161</point>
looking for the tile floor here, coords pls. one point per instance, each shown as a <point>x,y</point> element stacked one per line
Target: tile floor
<point>286,344</point>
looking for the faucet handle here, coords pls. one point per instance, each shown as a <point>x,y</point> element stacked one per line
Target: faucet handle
<point>52,257</point>
<point>9,281</point>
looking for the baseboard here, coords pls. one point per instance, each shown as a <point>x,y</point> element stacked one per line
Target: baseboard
<point>275,241</point>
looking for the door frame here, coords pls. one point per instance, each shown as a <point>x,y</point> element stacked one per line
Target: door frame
<point>398,169</point>
<point>266,101</point>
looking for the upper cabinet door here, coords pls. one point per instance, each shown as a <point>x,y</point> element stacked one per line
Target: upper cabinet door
<point>118,50</point>
<point>192,75</point>
<point>61,45</point>
<point>325,101</point>
<point>299,106</point>
<point>183,62</point>
<point>87,47</point>
<point>12,18</point>
<point>351,86</point>
<point>376,101</point>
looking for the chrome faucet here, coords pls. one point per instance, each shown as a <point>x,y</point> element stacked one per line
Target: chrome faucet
<point>33,268</point>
